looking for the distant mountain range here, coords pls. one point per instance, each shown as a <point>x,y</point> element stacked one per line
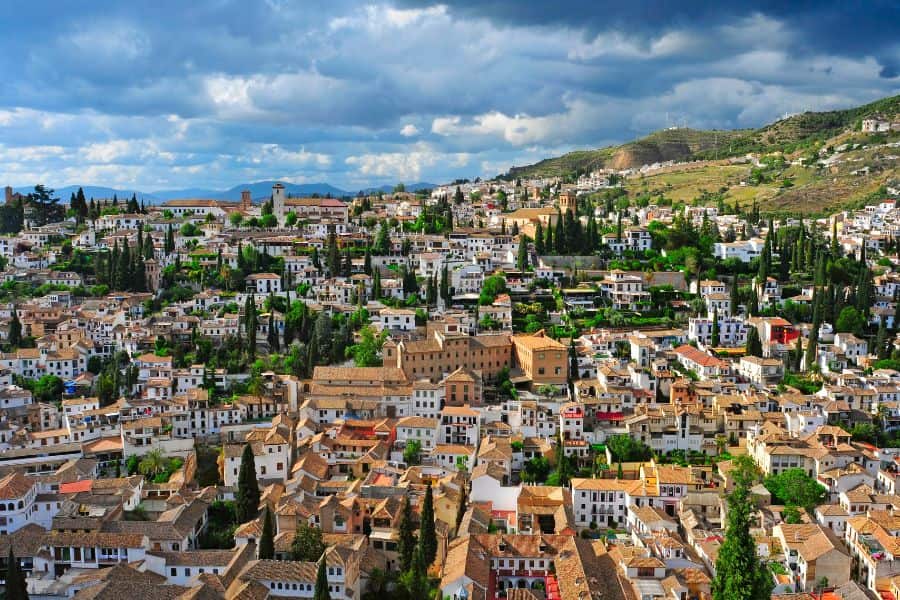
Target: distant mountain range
<point>259,191</point>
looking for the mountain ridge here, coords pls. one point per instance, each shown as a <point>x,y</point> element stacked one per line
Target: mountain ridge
<point>685,144</point>
<point>259,190</point>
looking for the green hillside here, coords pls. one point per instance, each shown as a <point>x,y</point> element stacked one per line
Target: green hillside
<point>788,135</point>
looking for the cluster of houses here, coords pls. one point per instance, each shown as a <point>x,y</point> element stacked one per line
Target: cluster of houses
<point>464,403</point>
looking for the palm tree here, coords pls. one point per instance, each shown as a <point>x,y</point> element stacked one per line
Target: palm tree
<point>152,464</point>
<point>721,443</point>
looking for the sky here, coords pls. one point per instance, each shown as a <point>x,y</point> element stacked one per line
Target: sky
<point>212,93</point>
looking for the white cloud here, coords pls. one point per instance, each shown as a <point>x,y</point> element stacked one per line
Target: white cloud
<point>522,129</point>
<point>377,18</point>
<point>404,166</point>
<point>409,130</point>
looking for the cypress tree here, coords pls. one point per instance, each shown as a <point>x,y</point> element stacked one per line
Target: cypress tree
<point>376,285</point>
<point>123,271</point>
<point>754,344</point>
<point>267,539</point>
<point>170,240</point>
<point>16,587</point>
<point>273,332</point>
<point>881,349</point>
<point>427,534</point>
<point>321,589</point>
<point>812,343</point>
<point>548,240</point>
<point>367,262</point>
<point>714,338</point>
<point>739,573</point>
<point>753,304</point>
<point>445,285</point>
<point>334,256</point>
<point>15,329</point>
<point>835,249</point>
<point>522,258</point>
<point>416,579</point>
<point>430,292</point>
<point>539,239</point>
<point>247,494</point>
<point>250,325</point>
<point>111,266</point>
<point>559,235</point>
<point>406,543</point>
<point>591,241</point>
<point>734,300</point>
<point>139,274</point>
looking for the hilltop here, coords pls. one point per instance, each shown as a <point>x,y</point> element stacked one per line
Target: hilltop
<point>787,135</point>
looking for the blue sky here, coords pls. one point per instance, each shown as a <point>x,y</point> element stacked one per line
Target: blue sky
<point>211,93</point>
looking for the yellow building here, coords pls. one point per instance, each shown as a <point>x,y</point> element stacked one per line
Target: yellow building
<point>542,359</point>
<point>443,353</point>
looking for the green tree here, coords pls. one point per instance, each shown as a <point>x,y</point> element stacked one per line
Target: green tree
<point>250,325</point>
<point>15,329</point>
<point>272,336</point>
<point>625,448</point>
<point>793,487</point>
<point>444,290</point>
<point>49,388</point>
<point>754,344</point>
<point>169,244</point>
<point>522,258</point>
<point>415,579</point>
<point>321,589</point>
<point>412,453</point>
<point>247,494</point>
<point>492,287</point>
<point>308,545</point>
<point>334,256</point>
<point>16,587</point>
<point>740,575</point>
<point>850,320</point>
<point>152,464</point>
<point>536,470</point>
<point>881,347</point>
<point>382,243</point>
<point>427,533</point>
<point>45,207</point>
<point>406,541</point>
<point>813,341</point>
<point>267,538</point>
<point>714,338</point>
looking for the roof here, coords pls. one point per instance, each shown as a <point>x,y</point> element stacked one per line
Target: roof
<point>197,558</point>
<point>280,570</point>
<point>15,485</point>
<point>94,539</point>
<point>699,357</point>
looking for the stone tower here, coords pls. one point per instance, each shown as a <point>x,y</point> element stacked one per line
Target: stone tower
<point>278,202</point>
<point>568,202</point>
<point>246,201</point>
<point>151,270</point>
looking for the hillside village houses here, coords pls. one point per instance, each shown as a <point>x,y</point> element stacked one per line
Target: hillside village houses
<point>128,407</point>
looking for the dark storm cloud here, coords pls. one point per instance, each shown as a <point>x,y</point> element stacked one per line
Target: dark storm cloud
<point>855,28</point>
<point>212,92</point>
